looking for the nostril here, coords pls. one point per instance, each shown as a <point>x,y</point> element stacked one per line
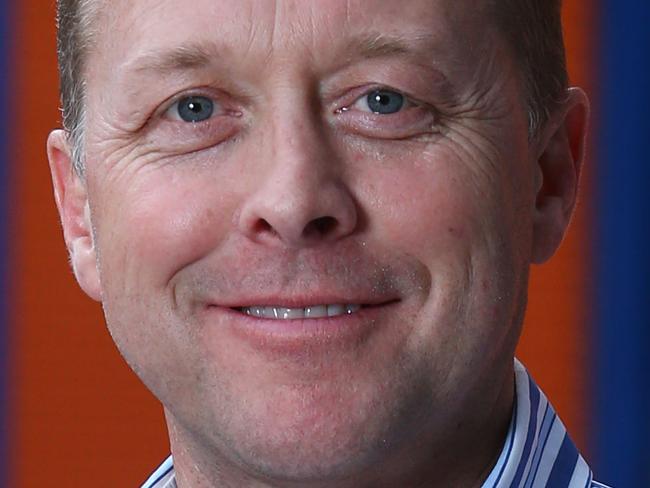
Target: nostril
<point>263,227</point>
<point>321,226</point>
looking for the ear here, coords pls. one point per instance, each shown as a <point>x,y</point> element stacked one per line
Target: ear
<point>561,152</point>
<point>72,202</point>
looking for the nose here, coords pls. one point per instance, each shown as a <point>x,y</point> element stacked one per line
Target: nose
<point>300,198</point>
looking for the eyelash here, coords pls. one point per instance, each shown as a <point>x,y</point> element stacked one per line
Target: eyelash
<point>414,119</point>
<point>219,107</point>
<point>411,121</point>
<point>359,97</point>
<point>174,134</point>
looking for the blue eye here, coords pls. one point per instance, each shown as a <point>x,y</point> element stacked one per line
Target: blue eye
<point>195,109</point>
<point>385,102</point>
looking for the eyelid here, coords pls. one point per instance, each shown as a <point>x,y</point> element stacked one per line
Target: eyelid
<point>408,101</point>
<point>173,134</point>
<point>357,95</point>
<point>221,101</point>
<point>170,110</point>
<point>417,119</point>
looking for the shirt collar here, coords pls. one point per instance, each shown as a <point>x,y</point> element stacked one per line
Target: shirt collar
<point>537,452</point>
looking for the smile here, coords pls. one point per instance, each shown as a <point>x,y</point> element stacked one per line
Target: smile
<point>310,312</point>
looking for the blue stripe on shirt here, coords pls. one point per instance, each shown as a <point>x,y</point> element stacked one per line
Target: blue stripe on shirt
<point>544,433</point>
<point>565,464</point>
<point>530,435</point>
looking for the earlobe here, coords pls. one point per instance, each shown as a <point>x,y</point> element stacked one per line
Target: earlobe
<point>72,202</point>
<point>561,154</point>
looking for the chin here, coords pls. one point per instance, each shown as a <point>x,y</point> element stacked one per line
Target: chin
<point>320,434</point>
<point>310,458</point>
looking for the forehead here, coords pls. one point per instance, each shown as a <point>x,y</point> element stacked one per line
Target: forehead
<point>125,28</point>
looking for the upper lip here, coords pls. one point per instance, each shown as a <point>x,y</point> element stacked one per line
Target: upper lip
<point>303,302</point>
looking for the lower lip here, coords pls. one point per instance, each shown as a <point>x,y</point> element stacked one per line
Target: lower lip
<point>298,335</point>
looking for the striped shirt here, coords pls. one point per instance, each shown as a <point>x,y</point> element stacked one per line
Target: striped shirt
<point>538,452</point>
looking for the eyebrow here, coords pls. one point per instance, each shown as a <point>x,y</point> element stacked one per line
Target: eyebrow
<point>419,47</point>
<point>376,45</point>
<point>179,58</point>
<point>197,55</point>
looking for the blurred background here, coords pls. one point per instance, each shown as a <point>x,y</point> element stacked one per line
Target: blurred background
<point>72,414</point>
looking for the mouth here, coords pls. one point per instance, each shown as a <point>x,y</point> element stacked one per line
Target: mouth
<point>300,313</point>
<point>284,329</point>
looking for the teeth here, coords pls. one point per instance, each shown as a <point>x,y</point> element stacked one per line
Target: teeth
<point>334,310</point>
<point>254,311</point>
<point>316,312</point>
<point>313,312</point>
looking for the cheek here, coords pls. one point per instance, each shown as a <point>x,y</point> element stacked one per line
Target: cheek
<point>153,228</point>
<point>424,210</point>
<point>149,229</point>
<point>447,200</point>
<point>461,222</point>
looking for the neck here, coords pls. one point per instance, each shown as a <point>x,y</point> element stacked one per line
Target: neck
<point>462,454</point>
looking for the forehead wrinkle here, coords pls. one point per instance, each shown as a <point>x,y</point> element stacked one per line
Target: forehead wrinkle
<point>191,56</point>
<point>199,54</point>
<point>375,45</point>
<point>417,44</point>
<point>419,49</point>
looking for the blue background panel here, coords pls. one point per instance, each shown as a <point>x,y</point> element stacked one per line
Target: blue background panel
<point>622,243</point>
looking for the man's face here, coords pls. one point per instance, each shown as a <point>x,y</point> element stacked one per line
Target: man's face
<point>366,159</point>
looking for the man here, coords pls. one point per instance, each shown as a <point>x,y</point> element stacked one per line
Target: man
<point>310,225</point>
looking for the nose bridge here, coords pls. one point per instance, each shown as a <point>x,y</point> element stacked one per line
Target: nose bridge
<point>302,198</point>
<point>301,147</point>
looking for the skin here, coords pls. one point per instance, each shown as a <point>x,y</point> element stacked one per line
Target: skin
<point>294,193</point>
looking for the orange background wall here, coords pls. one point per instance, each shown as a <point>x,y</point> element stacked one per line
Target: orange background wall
<point>557,335</point>
<point>78,415</point>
